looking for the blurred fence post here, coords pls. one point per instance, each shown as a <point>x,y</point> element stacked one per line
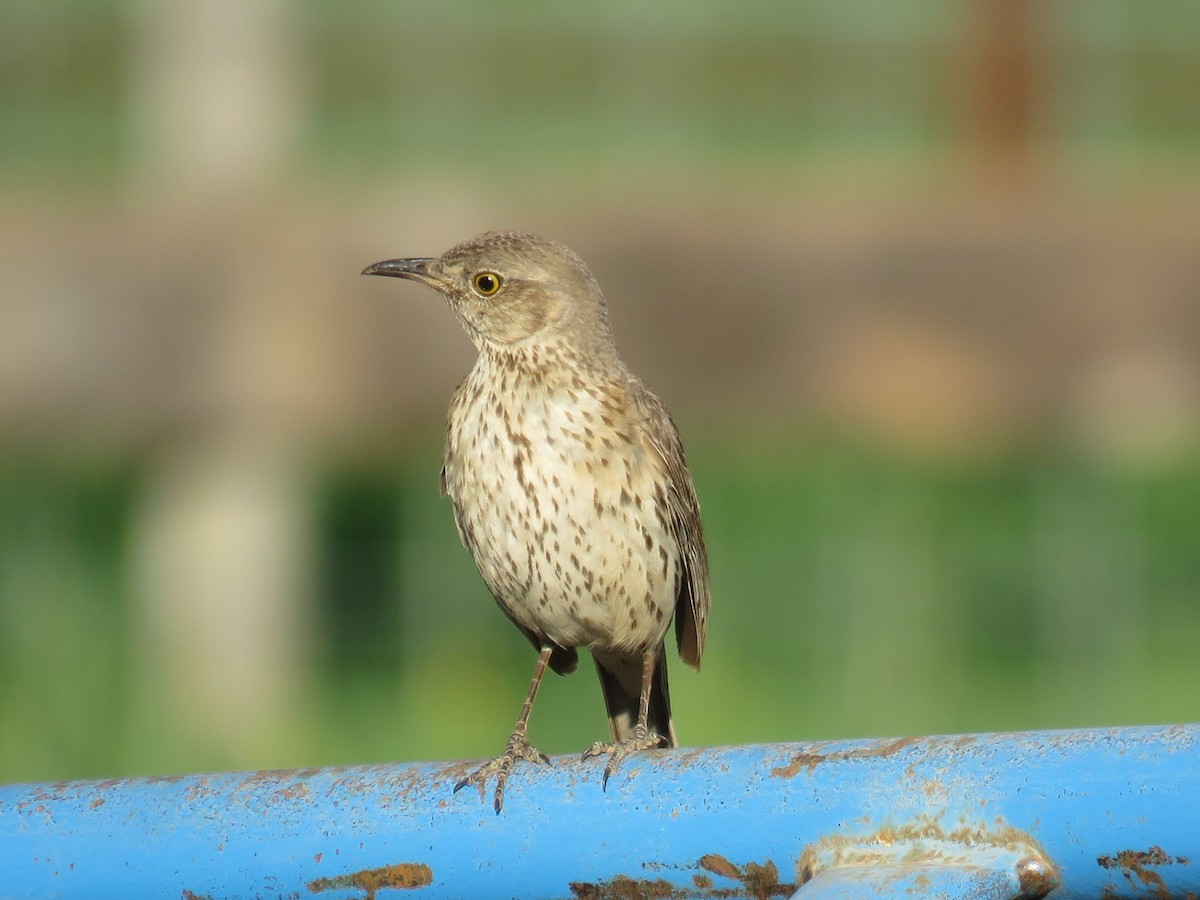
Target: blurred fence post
<point>214,94</point>
<point>221,553</point>
<point>222,550</point>
<point>1070,813</point>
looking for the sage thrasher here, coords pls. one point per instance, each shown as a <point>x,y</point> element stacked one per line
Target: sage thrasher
<point>569,485</point>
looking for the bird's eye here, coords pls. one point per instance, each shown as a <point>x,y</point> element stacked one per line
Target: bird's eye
<point>487,283</point>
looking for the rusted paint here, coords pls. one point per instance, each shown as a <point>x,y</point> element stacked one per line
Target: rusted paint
<point>295,791</point>
<point>800,761</point>
<point>927,843</point>
<point>1035,877</point>
<point>1133,864</point>
<point>757,880</point>
<point>1132,859</point>
<point>924,829</point>
<point>272,776</point>
<point>761,880</point>
<point>401,875</point>
<point>1080,793</point>
<point>810,761</point>
<point>622,887</point>
<point>719,865</point>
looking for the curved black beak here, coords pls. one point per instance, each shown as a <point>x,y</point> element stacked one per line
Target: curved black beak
<point>416,269</point>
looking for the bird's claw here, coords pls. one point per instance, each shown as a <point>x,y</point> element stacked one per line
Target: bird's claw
<point>518,747</point>
<point>641,739</point>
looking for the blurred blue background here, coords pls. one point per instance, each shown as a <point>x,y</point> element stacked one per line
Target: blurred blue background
<point>919,280</point>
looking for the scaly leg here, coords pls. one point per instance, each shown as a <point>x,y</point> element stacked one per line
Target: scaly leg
<point>642,738</point>
<point>518,746</point>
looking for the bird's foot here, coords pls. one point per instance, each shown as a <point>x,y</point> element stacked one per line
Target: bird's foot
<point>518,747</point>
<point>641,739</point>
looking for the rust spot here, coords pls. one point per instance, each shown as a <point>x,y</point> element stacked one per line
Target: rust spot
<point>1132,859</point>
<point>318,857</point>
<point>934,788</point>
<point>150,779</point>
<point>806,872</point>
<point>810,761</point>
<point>1133,863</point>
<point>293,791</point>
<point>763,881</point>
<point>1036,879</point>
<point>800,761</point>
<point>97,803</point>
<point>401,875</point>
<point>757,880</point>
<point>760,881</point>
<point>1153,881</point>
<point>719,865</point>
<point>267,775</point>
<point>622,887</point>
<point>191,895</point>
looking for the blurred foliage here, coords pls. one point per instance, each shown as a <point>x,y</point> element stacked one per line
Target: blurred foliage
<point>64,624</point>
<point>537,86</point>
<point>856,592</point>
<point>62,88</point>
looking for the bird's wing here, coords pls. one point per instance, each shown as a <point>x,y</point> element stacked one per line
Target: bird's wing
<point>681,511</point>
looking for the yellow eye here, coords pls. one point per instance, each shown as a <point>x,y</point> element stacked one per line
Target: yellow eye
<point>487,283</point>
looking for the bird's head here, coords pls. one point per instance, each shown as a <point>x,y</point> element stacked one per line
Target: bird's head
<point>512,289</point>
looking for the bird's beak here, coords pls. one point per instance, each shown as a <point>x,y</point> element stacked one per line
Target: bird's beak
<point>413,269</point>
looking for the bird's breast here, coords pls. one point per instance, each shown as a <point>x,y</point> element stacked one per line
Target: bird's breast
<point>555,497</point>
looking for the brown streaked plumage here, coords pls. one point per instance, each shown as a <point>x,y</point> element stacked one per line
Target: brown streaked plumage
<point>569,485</point>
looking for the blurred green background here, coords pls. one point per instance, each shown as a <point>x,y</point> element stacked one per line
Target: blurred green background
<point>920,281</point>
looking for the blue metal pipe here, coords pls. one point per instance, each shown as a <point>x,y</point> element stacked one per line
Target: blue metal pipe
<point>1113,813</point>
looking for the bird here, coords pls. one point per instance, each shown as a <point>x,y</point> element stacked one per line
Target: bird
<point>569,487</point>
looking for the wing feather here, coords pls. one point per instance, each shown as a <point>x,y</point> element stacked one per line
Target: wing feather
<point>680,509</point>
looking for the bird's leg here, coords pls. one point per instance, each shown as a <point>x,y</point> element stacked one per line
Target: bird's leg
<point>518,746</point>
<point>642,738</point>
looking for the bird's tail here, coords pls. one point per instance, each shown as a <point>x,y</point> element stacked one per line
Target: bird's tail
<point>621,683</point>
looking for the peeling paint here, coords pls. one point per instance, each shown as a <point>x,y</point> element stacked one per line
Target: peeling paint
<point>401,875</point>
<point>295,791</point>
<point>1132,859</point>
<point>719,865</point>
<point>810,761</point>
<point>1133,864</point>
<point>622,887</point>
<point>926,843</point>
<point>759,881</point>
<point>948,800</point>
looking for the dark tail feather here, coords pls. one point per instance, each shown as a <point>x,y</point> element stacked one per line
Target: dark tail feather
<point>621,683</point>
